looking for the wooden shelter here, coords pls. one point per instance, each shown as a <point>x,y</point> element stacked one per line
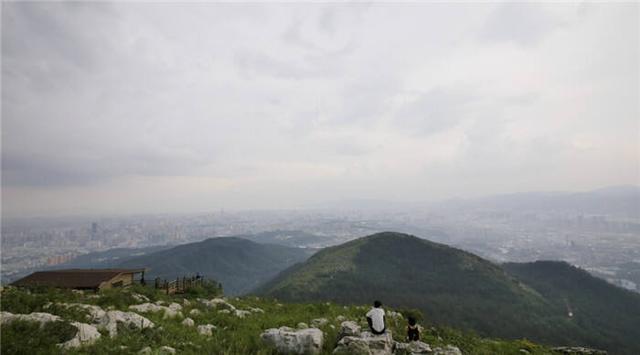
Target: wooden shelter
<point>82,279</point>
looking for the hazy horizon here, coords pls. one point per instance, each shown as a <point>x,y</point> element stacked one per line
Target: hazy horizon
<point>143,108</point>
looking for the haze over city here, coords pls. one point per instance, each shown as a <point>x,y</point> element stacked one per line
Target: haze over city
<point>119,108</point>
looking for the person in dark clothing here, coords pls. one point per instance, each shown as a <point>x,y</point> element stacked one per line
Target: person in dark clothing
<point>375,318</point>
<point>413,333</point>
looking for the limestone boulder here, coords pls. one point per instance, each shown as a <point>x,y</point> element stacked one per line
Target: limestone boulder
<point>195,312</point>
<point>412,348</point>
<point>169,312</point>
<point>291,341</point>
<point>349,328</point>
<point>206,329</point>
<point>188,322</point>
<point>87,334</point>
<point>351,345</point>
<point>447,350</point>
<point>366,343</point>
<point>129,319</point>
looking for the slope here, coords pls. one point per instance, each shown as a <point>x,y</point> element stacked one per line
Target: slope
<point>239,264</point>
<point>450,286</point>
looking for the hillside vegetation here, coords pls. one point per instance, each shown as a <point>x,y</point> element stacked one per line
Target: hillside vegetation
<point>596,306</point>
<point>232,334</point>
<point>239,264</point>
<point>461,290</point>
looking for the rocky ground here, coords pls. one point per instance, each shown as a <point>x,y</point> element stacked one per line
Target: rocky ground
<point>143,321</point>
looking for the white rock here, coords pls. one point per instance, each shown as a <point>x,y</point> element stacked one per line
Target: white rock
<point>366,343</point>
<point>195,312</point>
<point>341,318</point>
<point>218,303</point>
<point>349,328</point>
<point>447,350</point>
<point>188,322</point>
<point>140,298</point>
<point>290,341</point>
<point>240,313</point>
<point>96,314</point>
<point>166,350</point>
<point>145,350</point>
<point>412,348</point>
<point>379,344</point>
<point>169,312</point>
<point>302,325</point>
<point>147,307</point>
<point>206,329</point>
<point>86,335</point>
<point>350,345</point>
<point>129,319</point>
<point>186,302</point>
<point>6,317</point>
<point>224,311</point>
<point>40,317</point>
<point>256,310</point>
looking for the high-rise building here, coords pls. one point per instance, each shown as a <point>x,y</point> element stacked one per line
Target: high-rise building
<point>94,231</point>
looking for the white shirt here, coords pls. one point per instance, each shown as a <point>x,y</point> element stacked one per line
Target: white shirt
<point>377,318</point>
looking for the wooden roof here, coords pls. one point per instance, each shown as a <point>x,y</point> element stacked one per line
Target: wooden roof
<point>73,278</point>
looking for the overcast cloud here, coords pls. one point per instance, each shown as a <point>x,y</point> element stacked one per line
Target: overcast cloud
<point>142,107</point>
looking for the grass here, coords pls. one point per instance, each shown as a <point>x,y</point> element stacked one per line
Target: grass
<point>232,336</point>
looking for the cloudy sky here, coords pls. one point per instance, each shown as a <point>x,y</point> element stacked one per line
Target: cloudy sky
<point>144,108</point>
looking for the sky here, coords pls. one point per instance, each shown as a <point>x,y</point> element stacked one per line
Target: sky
<point>119,108</point>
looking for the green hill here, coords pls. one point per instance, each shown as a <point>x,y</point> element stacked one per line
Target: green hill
<point>598,308</point>
<point>239,264</point>
<point>450,286</point>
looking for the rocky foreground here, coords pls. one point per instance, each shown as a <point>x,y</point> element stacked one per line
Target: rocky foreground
<point>142,321</point>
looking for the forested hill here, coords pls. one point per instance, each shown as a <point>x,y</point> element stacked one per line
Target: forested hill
<point>455,288</point>
<point>239,264</point>
<point>596,306</point>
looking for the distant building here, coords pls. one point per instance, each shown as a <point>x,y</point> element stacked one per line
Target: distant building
<point>94,231</point>
<point>81,279</point>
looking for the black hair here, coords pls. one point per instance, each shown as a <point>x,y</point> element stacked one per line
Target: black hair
<point>412,321</point>
<point>377,304</point>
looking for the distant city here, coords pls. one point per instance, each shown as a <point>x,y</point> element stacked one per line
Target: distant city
<point>605,244</point>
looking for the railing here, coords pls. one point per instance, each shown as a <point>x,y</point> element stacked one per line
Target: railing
<point>179,285</point>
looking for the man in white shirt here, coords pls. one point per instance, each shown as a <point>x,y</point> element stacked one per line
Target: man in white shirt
<point>375,318</point>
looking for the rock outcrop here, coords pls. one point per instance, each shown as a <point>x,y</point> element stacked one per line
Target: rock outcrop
<point>447,350</point>
<point>291,341</point>
<point>367,343</point>
<point>40,317</point>
<point>86,333</point>
<point>349,328</point>
<point>412,348</point>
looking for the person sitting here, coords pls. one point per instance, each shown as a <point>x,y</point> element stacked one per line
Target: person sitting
<point>375,318</point>
<point>413,332</point>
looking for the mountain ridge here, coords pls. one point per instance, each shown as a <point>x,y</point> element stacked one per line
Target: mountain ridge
<point>450,286</point>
